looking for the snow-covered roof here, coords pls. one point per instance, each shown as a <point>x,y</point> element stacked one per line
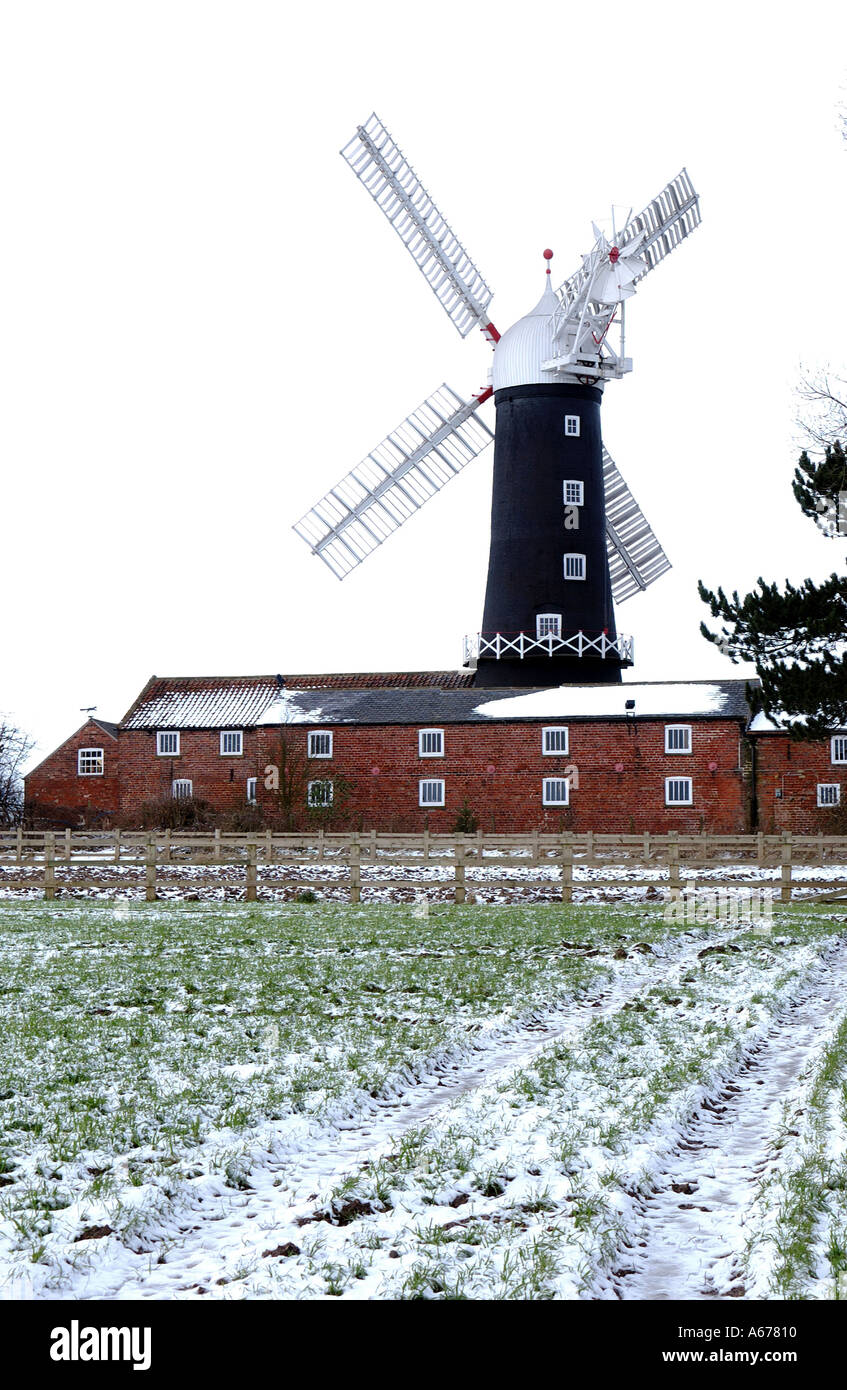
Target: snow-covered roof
<point>669,698</point>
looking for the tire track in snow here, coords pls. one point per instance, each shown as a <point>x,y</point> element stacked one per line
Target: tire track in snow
<point>693,1226</point>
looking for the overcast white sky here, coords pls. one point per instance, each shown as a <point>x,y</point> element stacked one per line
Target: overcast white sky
<point>205,322</point>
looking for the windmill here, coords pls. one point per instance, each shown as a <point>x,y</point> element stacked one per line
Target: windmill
<point>567,536</point>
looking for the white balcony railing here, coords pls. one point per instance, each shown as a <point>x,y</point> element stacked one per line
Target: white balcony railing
<point>500,645</point>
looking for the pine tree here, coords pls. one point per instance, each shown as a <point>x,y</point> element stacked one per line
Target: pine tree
<point>796,637</point>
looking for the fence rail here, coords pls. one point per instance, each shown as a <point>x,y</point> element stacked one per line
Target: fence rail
<point>61,855</point>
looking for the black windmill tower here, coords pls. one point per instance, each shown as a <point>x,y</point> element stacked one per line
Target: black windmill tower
<point>568,538</point>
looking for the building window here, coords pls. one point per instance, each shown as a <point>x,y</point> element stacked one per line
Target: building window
<point>572,426</point>
<point>548,625</point>
<point>431,743</point>
<point>678,791</point>
<point>829,793</point>
<point>556,791</point>
<point>232,741</point>
<point>554,739</point>
<point>320,745</point>
<point>252,791</point>
<point>167,745</point>
<point>677,738</point>
<point>574,492</point>
<point>838,749</point>
<point>431,792</point>
<point>89,762</point>
<point>320,794</point>
<point>181,789</point>
<point>574,566</point>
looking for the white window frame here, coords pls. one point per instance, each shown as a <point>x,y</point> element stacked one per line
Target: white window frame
<point>838,745</point>
<point>161,735</point>
<point>548,794</point>
<point>824,787</point>
<point>579,500</point>
<point>313,745</point>
<point>572,426</point>
<point>322,800</point>
<point>679,801</point>
<point>431,782</point>
<point>552,622</point>
<point>574,555</point>
<point>671,729</point>
<point>252,791</point>
<point>429,734</point>
<point>232,752</point>
<point>181,782</point>
<point>89,754</point>
<point>557,729</point>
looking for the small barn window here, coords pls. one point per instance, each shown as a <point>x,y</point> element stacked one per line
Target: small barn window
<point>252,791</point>
<point>556,791</point>
<point>548,625</point>
<point>572,426</point>
<point>320,794</point>
<point>678,791</point>
<point>838,747</point>
<point>167,744</point>
<point>677,738</point>
<point>431,743</point>
<point>829,793</point>
<point>431,792</point>
<point>232,742</point>
<point>574,492</point>
<point>89,762</point>
<point>320,745</point>
<point>181,789</point>
<point>574,566</point>
<point>554,739</point>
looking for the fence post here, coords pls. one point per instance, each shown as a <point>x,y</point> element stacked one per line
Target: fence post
<point>117,855</point>
<point>354,857</point>
<point>589,846</point>
<point>150,869</point>
<point>321,843</point>
<point>479,845</point>
<point>49,865</point>
<point>217,850</point>
<point>68,845</point>
<point>252,853</point>
<point>19,845</point>
<point>167,854</point>
<point>459,880</point>
<point>372,848</point>
<point>567,866</point>
<point>426,846</point>
<point>646,850</point>
<point>535,845</point>
<point>673,861</point>
<point>820,848</point>
<point>269,847</point>
<point>785,868</point>
<point>760,847</point>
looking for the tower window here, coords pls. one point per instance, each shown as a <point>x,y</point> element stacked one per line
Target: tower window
<point>678,791</point>
<point>574,492</point>
<point>829,793</point>
<point>677,738</point>
<point>431,743</point>
<point>431,792</point>
<point>571,426</point>
<point>574,566</point>
<point>548,625</point>
<point>554,739</point>
<point>555,791</point>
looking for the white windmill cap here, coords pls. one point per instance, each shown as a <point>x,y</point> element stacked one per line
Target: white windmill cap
<point>528,343</point>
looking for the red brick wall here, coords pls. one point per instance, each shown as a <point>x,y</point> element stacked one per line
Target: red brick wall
<point>55,793</point>
<point>497,768</point>
<point>794,770</point>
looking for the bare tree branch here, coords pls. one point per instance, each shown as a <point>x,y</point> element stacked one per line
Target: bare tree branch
<point>15,748</point>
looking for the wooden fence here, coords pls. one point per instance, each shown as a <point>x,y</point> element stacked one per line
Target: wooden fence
<point>62,858</point>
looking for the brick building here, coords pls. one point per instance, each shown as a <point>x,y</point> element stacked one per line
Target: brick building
<point>424,749</point>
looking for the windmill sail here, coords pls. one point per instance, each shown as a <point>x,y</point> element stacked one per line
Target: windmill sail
<point>409,467</point>
<point>636,558</point>
<point>439,255</point>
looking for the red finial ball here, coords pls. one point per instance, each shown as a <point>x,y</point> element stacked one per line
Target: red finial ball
<point>548,254</point>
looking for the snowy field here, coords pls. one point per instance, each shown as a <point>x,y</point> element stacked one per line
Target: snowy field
<point>231,1101</point>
